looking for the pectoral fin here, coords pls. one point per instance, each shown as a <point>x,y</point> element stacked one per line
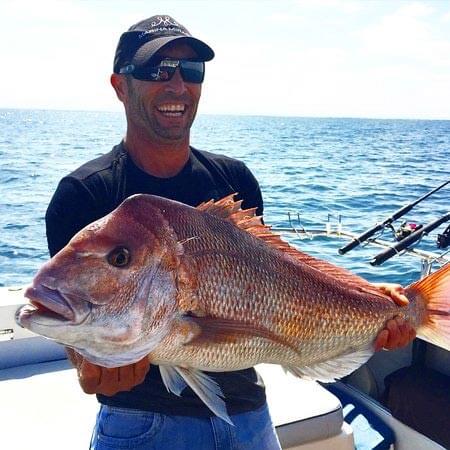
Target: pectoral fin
<point>172,380</point>
<point>176,378</point>
<point>206,330</point>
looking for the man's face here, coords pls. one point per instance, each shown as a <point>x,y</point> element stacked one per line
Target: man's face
<point>164,110</point>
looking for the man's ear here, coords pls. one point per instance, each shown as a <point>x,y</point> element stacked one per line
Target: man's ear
<point>119,83</point>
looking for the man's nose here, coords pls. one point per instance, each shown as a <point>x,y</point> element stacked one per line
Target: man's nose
<point>176,84</point>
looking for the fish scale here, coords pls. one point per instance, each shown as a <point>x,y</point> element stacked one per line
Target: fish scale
<point>226,272</point>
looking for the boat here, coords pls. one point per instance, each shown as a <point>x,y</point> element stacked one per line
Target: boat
<point>43,405</point>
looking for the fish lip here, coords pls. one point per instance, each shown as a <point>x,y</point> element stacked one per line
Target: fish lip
<point>49,301</point>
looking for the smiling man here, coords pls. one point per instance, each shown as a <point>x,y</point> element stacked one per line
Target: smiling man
<point>158,73</point>
<point>160,114</point>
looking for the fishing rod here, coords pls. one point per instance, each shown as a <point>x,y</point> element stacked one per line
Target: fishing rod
<point>407,241</point>
<point>371,231</point>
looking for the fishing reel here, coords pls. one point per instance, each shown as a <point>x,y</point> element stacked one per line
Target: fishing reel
<point>404,230</point>
<point>443,240</point>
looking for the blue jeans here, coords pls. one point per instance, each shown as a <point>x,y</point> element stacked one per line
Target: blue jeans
<point>120,428</point>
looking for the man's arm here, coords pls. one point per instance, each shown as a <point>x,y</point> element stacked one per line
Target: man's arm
<point>72,208</point>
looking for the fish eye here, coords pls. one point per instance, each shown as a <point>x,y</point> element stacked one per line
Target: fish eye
<point>119,257</point>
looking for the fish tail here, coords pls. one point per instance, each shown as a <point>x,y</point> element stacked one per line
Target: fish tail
<point>434,290</point>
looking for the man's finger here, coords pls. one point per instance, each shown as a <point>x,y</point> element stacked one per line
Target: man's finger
<point>140,370</point>
<point>395,291</point>
<point>381,340</point>
<point>109,383</point>
<point>394,334</point>
<point>89,376</point>
<point>404,333</point>
<point>126,377</point>
<point>399,297</point>
<point>407,333</point>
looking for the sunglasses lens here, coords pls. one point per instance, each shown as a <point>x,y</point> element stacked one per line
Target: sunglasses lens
<point>157,73</point>
<point>193,71</point>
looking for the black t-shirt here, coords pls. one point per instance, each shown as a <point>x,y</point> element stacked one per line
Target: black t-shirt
<point>98,187</point>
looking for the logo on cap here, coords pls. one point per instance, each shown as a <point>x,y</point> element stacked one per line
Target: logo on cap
<point>166,21</point>
<point>162,24</point>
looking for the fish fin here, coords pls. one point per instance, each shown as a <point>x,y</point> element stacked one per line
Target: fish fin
<point>434,290</point>
<point>177,378</point>
<point>228,209</point>
<point>208,390</point>
<point>332,369</point>
<point>207,329</point>
<point>223,208</point>
<point>172,380</point>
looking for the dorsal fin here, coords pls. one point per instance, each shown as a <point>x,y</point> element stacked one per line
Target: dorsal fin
<point>223,208</point>
<point>228,209</point>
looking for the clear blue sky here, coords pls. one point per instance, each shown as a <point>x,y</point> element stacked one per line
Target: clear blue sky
<point>332,58</point>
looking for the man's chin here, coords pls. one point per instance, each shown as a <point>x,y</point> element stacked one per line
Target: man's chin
<point>173,134</point>
<point>173,128</point>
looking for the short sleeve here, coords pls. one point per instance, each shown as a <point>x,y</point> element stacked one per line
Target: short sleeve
<point>248,188</point>
<point>252,193</point>
<point>71,209</point>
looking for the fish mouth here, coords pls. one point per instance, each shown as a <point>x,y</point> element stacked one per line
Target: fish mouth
<point>50,305</point>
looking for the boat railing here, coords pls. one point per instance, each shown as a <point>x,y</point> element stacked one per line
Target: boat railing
<point>335,230</point>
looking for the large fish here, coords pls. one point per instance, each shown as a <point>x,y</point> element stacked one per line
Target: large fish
<point>212,289</point>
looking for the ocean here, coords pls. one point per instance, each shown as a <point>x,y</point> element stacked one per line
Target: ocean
<point>360,169</point>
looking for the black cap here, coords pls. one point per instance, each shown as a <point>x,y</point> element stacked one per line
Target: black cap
<point>143,39</point>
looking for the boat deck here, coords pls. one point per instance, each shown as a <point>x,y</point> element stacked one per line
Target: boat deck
<point>46,407</point>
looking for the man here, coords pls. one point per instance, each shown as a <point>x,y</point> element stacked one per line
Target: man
<point>158,75</point>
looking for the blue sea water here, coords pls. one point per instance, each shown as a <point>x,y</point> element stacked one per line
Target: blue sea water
<point>361,169</point>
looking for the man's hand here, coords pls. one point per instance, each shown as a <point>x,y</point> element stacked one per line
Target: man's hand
<point>397,333</point>
<point>95,379</point>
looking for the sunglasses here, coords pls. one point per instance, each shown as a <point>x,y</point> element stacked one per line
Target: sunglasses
<point>191,71</point>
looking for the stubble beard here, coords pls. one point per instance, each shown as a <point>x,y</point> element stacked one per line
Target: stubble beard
<point>145,119</point>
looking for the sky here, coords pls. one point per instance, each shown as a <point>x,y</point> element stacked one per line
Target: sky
<point>314,58</point>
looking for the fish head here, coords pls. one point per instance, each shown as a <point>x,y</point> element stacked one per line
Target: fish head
<point>110,293</point>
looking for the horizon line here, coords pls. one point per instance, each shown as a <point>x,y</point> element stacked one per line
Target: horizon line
<point>290,116</point>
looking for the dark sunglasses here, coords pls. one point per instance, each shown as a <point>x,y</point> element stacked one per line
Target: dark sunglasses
<point>191,71</point>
